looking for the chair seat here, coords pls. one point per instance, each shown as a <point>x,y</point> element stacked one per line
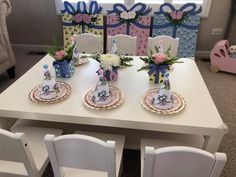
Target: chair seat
<point>119,139</point>
<point>72,172</point>
<point>171,140</point>
<point>35,138</point>
<point>13,168</point>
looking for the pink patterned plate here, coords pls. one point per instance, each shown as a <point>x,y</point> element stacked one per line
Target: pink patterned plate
<point>179,103</point>
<point>115,92</point>
<point>64,92</point>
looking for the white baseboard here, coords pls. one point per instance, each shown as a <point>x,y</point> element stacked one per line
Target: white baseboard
<point>31,47</point>
<point>203,54</point>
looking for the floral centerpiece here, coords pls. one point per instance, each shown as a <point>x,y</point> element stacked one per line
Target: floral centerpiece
<point>63,63</point>
<point>158,62</point>
<point>110,63</point>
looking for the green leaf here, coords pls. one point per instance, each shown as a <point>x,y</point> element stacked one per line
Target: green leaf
<point>168,51</point>
<point>151,52</point>
<point>157,49</point>
<point>124,61</point>
<point>143,68</point>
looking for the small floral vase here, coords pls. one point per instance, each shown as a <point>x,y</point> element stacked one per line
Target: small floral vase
<point>156,73</point>
<point>64,69</point>
<point>111,75</point>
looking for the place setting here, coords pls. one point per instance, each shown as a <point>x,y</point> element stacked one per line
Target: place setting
<point>50,91</point>
<point>103,96</point>
<point>162,100</point>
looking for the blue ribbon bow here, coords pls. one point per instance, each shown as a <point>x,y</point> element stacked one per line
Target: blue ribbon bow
<point>139,8</point>
<point>156,69</point>
<point>190,9</point>
<point>92,9</point>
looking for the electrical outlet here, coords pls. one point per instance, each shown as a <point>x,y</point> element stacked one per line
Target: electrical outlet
<point>217,31</point>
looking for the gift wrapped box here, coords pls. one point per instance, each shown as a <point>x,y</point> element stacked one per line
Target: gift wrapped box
<point>182,23</point>
<point>64,69</point>
<point>156,73</point>
<point>80,20</point>
<point>133,22</point>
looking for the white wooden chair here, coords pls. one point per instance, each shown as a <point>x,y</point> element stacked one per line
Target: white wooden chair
<point>78,155</point>
<point>118,139</point>
<point>88,43</point>
<point>180,161</point>
<point>167,42</point>
<point>24,154</point>
<point>125,43</point>
<point>171,139</point>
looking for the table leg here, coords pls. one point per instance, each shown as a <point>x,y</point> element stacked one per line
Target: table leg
<point>212,143</point>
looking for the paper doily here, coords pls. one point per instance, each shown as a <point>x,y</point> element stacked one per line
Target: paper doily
<point>118,99</point>
<point>64,92</point>
<point>179,103</point>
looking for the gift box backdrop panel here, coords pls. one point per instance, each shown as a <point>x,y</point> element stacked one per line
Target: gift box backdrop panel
<point>188,39</point>
<point>68,31</point>
<point>133,21</point>
<point>142,34</point>
<point>132,30</point>
<point>112,20</point>
<point>179,23</point>
<point>85,18</point>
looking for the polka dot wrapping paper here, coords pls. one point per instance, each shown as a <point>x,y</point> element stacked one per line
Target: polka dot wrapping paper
<point>64,69</point>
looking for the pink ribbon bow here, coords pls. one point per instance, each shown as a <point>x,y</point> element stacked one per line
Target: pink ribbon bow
<point>82,18</point>
<point>176,15</point>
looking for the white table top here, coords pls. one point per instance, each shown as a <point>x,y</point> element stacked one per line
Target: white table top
<point>199,117</point>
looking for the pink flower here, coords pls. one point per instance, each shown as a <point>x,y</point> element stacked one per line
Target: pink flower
<point>59,55</point>
<point>159,58</point>
<point>78,18</point>
<point>176,15</point>
<point>86,18</point>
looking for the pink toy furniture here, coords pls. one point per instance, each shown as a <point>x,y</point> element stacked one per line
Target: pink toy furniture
<point>220,59</point>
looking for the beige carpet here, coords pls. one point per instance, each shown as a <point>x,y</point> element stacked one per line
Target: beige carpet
<point>222,87</point>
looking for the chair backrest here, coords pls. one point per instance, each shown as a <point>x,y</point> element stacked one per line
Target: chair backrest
<point>14,148</point>
<point>88,43</point>
<point>167,42</point>
<point>125,43</point>
<point>81,151</point>
<point>179,161</point>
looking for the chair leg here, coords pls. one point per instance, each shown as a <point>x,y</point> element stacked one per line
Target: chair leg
<point>11,72</point>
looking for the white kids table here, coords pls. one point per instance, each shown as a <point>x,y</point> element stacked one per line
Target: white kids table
<point>200,117</point>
